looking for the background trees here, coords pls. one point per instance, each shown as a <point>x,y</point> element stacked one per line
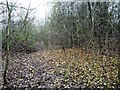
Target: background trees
<point>18,32</point>
<point>93,25</point>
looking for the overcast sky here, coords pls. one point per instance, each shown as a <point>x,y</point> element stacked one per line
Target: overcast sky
<point>42,7</point>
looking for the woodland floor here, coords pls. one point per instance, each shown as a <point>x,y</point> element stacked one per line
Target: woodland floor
<point>62,69</point>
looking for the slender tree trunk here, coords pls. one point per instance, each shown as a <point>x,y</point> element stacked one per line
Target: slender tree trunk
<point>8,47</point>
<point>89,9</point>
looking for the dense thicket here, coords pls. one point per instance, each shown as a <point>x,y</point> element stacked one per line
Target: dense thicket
<point>22,30</point>
<point>89,25</point>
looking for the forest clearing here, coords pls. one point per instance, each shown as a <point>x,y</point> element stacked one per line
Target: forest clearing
<point>49,44</point>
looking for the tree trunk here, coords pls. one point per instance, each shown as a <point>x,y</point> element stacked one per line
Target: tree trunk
<point>8,46</point>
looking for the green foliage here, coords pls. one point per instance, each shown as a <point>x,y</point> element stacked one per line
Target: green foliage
<point>23,35</point>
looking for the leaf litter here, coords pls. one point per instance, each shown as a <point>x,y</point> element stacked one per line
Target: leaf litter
<point>62,69</point>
